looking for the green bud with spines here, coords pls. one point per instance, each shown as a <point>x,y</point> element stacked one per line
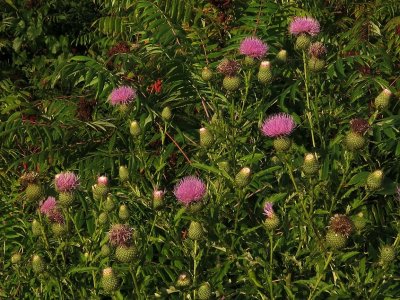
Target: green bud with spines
<point>354,141</point>
<point>248,61</point>
<point>166,114</point>
<point>103,218</point>
<point>382,101</point>
<point>282,144</point>
<point>105,250</point>
<point>231,83</point>
<point>16,258</point>
<point>387,254</point>
<point>359,221</point>
<point>38,264</point>
<point>183,280</point>
<point>242,178</point>
<point>33,192</point>
<point>123,173</point>
<point>302,42</point>
<point>123,212</point>
<point>282,56</point>
<point>125,254</point>
<point>375,180</point>
<point>335,240</point>
<point>206,74</point>
<point>59,229</point>
<point>135,129</point>
<point>65,199</point>
<point>109,281</point>
<point>204,292</point>
<point>206,138</point>
<point>109,205</point>
<point>316,64</point>
<point>195,231</point>
<point>265,74</point>
<point>36,228</point>
<point>310,164</point>
<point>271,223</point>
<point>224,165</point>
<point>158,199</point>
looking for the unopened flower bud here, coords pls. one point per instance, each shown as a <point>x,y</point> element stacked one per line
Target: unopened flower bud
<point>158,198</point>
<point>310,164</point>
<point>243,177</point>
<point>109,281</point>
<point>16,258</point>
<point>135,129</point>
<point>382,101</point>
<point>282,56</point>
<point>123,173</point>
<point>123,212</point>
<point>206,138</point>
<point>38,265</point>
<point>206,74</point>
<point>166,114</point>
<point>375,179</point>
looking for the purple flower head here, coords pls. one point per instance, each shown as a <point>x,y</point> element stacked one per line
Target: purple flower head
<point>102,180</point>
<point>120,234</point>
<point>268,210</point>
<point>49,208</point>
<point>253,47</point>
<point>48,205</point>
<point>66,181</point>
<point>190,189</point>
<point>122,95</point>
<point>304,25</point>
<point>278,125</point>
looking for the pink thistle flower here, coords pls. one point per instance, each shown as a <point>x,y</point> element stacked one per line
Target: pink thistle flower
<point>190,189</point>
<point>120,234</point>
<point>253,47</point>
<point>122,95</point>
<point>102,180</point>
<point>49,208</point>
<point>48,205</point>
<point>66,181</point>
<point>278,125</point>
<point>304,25</point>
<point>268,210</point>
<point>158,194</point>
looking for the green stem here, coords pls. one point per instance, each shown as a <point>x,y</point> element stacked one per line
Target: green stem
<point>137,291</point>
<point>271,255</point>
<point>194,267</point>
<point>320,275</point>
<point>308,113</point>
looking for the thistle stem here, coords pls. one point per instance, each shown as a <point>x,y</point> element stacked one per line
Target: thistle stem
<point>194,267</point>
<point>271,255</point>
<point>137,291</point>
<point>308,113</point>
<point>320,276</point>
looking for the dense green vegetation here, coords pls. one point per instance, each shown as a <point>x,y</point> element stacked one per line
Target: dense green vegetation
<point>333,231</point>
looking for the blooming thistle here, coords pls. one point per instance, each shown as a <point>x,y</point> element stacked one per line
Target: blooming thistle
<point>304,25</point>
<point>253,47</point>
<point>278,125</point>
<point>190,189</point>
<point>122,95</point>
<point>50,210</point>
<point>66,181</point>
<point>120,234</point>
<point>272,221</point>
<point>48,205</point>
<point>268,210</point>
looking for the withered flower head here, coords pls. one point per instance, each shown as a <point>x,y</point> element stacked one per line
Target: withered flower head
<point>341,224</point>
<point>120,234</point>
<point>359,125</point>
<point>317,49</point>
<point>29,177</point>
<point>228,67</point>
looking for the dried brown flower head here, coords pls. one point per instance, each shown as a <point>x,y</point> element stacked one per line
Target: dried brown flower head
<point>341,224</point>
<point>317,49</point>
<point>228,67</point>
<point>359,125</point>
